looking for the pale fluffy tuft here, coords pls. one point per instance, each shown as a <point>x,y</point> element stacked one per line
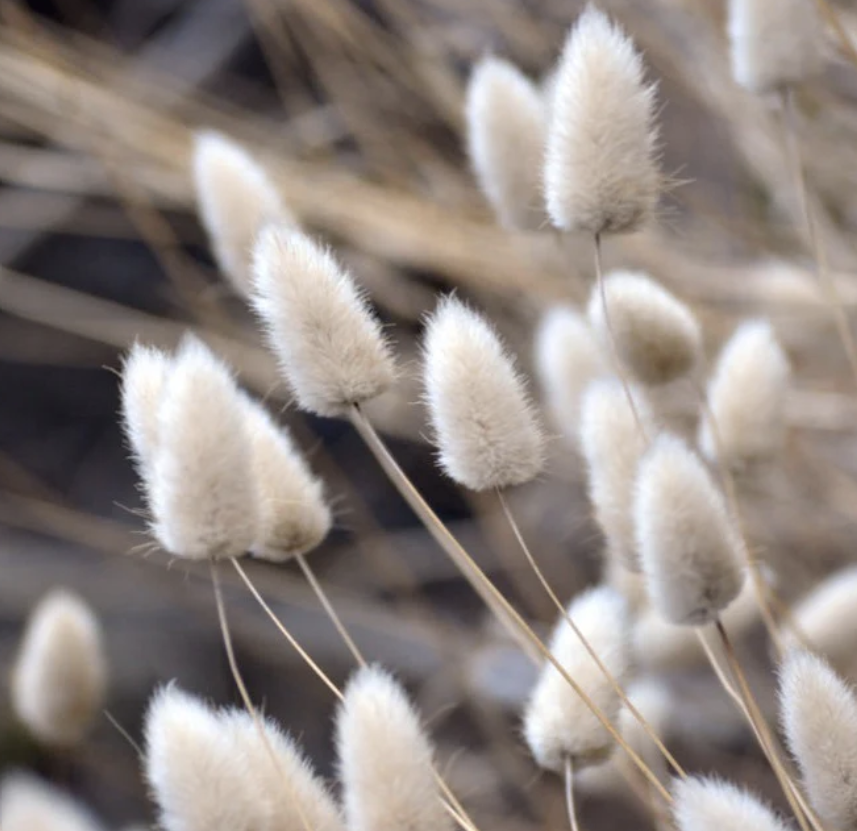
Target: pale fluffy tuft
<point>775,43</point>
<point>385,759</point>
<point>612,444</point>
<point>60,676</point>
<point>655,335</point>
<point>690,551</point>
<point>203,495</point>
<point>235,200</point>
<point>746,396</point>
<point>30,804</point>
<point>714,805</point>
<point>819,717</point>
<point>485,426</point>
<point>292,515</point>
<point>506,136</point>
<point>601,170</point>
<point>331,349</point>
<point>557,723</point>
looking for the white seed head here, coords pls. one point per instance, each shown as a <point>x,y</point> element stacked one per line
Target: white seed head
<point>506,136</point>
<point>557,723</point>
<point>568,358</point>
<point>746,396</point>
<point>60,676</point>
<point>655,335</point>
<point>292,515</point>
<point>203,495</point>
<point>385,759</point>
<point>236,199</point>
<point>601,170</point>
<point>774,43</point>
<point>819,717</point>
<point>485,425</point>
<point>30,804</point>
<point>690,551</point>
<point>612,444</point>
<point>331,349</point>
<point>713,805</point>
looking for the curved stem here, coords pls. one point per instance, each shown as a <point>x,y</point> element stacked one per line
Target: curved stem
<point>569,794</point>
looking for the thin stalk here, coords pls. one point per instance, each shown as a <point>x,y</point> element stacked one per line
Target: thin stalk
<point>481,583</point>
<point>569,794</point>
<point>612,680</point>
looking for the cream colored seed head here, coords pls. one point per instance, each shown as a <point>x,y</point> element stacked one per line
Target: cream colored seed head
<point>60,676</point>
<point>655,335</point>
<point>330,348</point>
<point>203,494</point>
<point>506,136</point>
<point>557,723</point>
<point>29,804</point>
<point>235,199</point>
<point>485,425</point>
<point>690,551</point>
<point>705,804</point>
<point>601,170</point>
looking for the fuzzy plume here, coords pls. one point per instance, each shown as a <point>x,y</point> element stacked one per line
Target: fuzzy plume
<point>655,335</point>
<point>714,805</point>
<point>557,723</point>
<point>774,43</point>
<point>506,136</point>
<point>29,804</point>
<point>235,200</point>
<point>612,444</point>
<point>601,171</point>
<point>568,358</point>
<point>203,495</point>
<point>819,717</point>
<point>485,425</point>
<point>746,396</point>
<point>292,515</point>
<point>60,675</point>
<point>690,552</point>
<point>385,759</point>
<point>331,349</point>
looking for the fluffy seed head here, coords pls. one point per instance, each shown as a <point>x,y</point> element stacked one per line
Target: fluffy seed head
<point>556,721</point>
<point>655,335</point>
<point>819,716</point>
<point>704,804</point>
<point>29,804</point>
<point>746,396</point>
<point>485,425</point>
<point>235,200</point>
<point>330,347</point>
<point>60,676</point>
<point>506,136</point>
<point>292,515</point>
<point>601,171</point>
<point>203,495</point>
<point>612,444</point>
<point>385,759</point>
<point>690,552</point>
<point>568,358</point>
<point>774,43</point>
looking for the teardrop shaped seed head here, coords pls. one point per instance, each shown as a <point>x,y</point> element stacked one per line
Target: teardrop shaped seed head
<point>31,804</point>
<point>707,804</point>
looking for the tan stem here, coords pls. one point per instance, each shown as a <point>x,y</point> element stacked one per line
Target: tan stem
<point>569,794</point>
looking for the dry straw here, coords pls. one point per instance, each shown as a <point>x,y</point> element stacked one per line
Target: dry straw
<point>704,804</point>
<point>30,804</point>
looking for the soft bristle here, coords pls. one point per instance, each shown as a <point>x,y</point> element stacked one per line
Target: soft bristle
<point>557,723</point>
<point>819,717</point>
<point>775,43</point>
<point>485,426</point>
<point>601,172</point>
<point>689,549</point>
<point>385,759</point>
<point>235,200</point>
<point>331,349</point>
<point>292,515</point>
<point>713,805</point>
<point>60,675</point>
<point>746,396</point>
<point>203,495</point>
<point>29,804</point>
<point>506,137</point>
<point>655,335</point>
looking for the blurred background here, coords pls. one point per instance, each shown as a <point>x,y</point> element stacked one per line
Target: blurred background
<point>355,106</point>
